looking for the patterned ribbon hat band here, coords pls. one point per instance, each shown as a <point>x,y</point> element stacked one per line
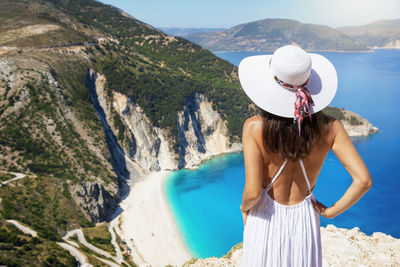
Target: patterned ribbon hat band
<point>302,105</point>
<point>290,83</point>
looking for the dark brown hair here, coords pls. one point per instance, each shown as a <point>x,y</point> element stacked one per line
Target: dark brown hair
<point>281,135</point>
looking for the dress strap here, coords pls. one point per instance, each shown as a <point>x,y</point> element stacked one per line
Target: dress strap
<point>276,175</point>
<point>305,174</point>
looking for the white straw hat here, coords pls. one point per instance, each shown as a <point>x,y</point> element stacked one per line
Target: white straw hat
<point>265,80</point>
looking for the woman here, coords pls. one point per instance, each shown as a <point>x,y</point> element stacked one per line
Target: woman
<point>284,150</point>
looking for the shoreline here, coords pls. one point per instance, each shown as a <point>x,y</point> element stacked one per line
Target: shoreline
<point>172,219</point>
<point>213,156</point>
<point>148,226</point>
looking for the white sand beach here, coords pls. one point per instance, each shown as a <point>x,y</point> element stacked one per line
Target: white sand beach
<point>147,220</point>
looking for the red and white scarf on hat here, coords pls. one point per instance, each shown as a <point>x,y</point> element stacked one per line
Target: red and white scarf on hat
<point>302,103</point>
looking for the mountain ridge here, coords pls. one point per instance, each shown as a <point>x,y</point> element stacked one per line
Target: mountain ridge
<point>377,34</point>
<point>270,34</point>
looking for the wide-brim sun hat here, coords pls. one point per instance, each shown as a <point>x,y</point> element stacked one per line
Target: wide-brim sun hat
<point>271,81</point>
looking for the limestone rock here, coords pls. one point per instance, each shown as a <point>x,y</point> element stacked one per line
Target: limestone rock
<point>340,247</point>
<point>95,200</point>
<point>201,132</point>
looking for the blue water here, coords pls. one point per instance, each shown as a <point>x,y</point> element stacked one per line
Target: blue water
<point>205,202</point>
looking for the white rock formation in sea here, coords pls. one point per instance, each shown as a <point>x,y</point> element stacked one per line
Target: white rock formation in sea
<point>356,125</point>
<point>340,247</point>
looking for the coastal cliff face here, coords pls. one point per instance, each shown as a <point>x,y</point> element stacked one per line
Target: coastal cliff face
<point>360,126</point>
<point>128,170</point>
<point>35,137</point>
<point>202,132</point>
<point>354,124</point>
<point>147,145</point>
<point>95,200</point>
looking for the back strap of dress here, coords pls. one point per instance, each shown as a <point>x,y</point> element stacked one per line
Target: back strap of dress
<point>305,174</point>
<point>276,175</point>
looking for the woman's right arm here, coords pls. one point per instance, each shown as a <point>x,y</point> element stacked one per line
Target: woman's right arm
<point>352,162</point>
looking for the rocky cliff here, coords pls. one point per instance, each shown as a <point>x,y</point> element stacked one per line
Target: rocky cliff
<point>44,133</point>
<point>202,132</point>
<point>357,125</point>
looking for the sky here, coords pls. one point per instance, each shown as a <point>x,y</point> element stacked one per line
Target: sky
<point>228,13</point>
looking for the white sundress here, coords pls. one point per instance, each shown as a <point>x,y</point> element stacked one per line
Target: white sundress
<point>280,235</point>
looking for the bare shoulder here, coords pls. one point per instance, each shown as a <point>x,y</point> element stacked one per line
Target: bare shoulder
<point>252,125</point>
<point>336,132</point>
<point>337,127</point>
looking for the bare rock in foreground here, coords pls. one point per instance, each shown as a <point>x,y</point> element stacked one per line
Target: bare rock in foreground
<point>340,247</point>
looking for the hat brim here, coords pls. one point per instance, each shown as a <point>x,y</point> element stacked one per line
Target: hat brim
<point>258,83</point>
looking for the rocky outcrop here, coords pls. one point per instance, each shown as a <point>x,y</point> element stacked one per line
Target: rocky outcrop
<point>97,198</point>
<point>97,202</point>
<point>356,125</point>
<point>343,247</point>
<point>340,247</point>
<point>201,132</point>
<point>148,145</point>
<point>117,154</point>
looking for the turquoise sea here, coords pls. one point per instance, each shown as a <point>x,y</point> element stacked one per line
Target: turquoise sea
<point>205,202</point>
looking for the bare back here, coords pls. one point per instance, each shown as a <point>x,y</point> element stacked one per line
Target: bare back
<point>290,188</point>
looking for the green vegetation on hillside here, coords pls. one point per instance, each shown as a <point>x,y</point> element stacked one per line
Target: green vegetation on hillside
<point>47,143</point>
<point>44,203</point>
<point>160,72</point>
<point>19,249</point>
<point>4,176</point>
<point>157,71</point>
<point>16,15</point>
<point>340,114</point>
<point>337,113</point>
<point>163,91</point>
<point>100,237</point>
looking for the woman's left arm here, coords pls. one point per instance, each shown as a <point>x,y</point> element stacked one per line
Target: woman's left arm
<point>253,167</point>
